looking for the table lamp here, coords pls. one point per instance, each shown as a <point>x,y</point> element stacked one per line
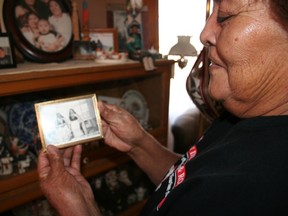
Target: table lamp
<point>183,48</point>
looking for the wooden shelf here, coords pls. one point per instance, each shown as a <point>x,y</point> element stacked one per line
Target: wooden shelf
<point>23,188</point>
<point>32,79</point>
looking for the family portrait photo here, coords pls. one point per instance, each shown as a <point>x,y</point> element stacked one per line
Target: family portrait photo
<point>45,24</point>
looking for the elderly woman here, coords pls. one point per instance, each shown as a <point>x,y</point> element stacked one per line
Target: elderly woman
<point>60,20</point>
<point>240,165</point>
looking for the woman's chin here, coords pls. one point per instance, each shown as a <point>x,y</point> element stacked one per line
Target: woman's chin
<point>218,91</point>
<point>215,94</point>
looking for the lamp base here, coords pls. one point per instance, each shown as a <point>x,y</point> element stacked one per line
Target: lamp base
<point>182,62</point>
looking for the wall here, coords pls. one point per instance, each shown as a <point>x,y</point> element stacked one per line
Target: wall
<point>181,17</point>
<point>98,18</point>
<point>97,11</point>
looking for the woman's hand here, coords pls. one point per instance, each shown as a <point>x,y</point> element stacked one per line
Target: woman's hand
<point>121,130</point>
<point>62,183</point>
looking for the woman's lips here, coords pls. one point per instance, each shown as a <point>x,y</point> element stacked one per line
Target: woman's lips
<point>214,66</point>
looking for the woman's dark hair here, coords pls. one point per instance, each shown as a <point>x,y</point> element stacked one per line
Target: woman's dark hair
<point>40,7</point>
<point>74,117</point>
<point>60,5</point>
<point>279,10</point>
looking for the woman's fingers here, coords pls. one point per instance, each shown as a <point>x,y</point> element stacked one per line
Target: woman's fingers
<point>76,158</point>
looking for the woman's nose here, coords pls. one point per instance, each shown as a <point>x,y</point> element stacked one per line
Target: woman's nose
<point>208,34</point>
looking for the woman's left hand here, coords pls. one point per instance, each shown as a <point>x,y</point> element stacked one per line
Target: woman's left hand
<point>63,184</point>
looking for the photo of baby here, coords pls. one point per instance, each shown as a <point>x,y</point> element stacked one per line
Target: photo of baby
<point>44,24</point>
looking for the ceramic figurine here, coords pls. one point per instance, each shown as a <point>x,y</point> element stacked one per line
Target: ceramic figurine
<point>124,178</point>
<point>6,164</point>
<point>134,6</point>
<point>24,164</point>
<point>140,191</point>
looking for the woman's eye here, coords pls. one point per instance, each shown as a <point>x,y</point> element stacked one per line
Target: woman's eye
<point>221,19</point>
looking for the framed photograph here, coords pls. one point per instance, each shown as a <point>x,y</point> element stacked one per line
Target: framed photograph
<point>132,27</point>
<point>118,19</point>
<point>42,31</point>
<point>105,39</point>
<point>7,59</point>
<point>84,50</point>
<point>68,121</point>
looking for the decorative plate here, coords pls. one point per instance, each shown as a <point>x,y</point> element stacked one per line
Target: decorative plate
<point>3,133</point>
<point>3,122</point>
<point>135,103</point>
<point>111,100</point>
<point>22,122</point>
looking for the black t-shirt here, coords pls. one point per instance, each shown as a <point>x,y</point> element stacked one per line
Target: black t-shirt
<point>239,167</point>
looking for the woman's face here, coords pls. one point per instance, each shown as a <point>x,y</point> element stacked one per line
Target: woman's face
<point>33,21</point>
<point>55,8</point>
<point>248,53</point>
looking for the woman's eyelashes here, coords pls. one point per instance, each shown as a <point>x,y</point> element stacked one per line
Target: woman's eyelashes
<point>221,19</point>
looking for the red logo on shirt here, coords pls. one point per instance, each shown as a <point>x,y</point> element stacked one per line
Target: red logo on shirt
<point>180,175</point>
<point>177,174</point>
<point>192,152</point>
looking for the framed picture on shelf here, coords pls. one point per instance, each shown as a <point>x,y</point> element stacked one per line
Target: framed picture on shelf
<point>68,121</point>
<point>104,39</point>
<point>117,18</point>
<point>84,50</point>
<point>132,28</point>
<point>40,36</point>
<point>7,58</point>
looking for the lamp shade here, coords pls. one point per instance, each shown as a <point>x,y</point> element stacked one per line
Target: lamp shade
<point>183,47</point>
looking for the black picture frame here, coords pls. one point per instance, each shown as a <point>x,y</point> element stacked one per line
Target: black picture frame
<point>7,57</point>
<point>29,50</point>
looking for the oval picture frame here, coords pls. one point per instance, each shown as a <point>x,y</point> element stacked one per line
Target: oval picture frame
<point>14,27</point>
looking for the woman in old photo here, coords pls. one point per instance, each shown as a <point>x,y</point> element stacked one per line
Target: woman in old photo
<point>77,124</point>
<point>60,20</point>
<point>28,24</point>
<point>63,129</point>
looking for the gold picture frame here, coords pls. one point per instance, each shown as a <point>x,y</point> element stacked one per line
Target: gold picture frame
<point>69,121</point>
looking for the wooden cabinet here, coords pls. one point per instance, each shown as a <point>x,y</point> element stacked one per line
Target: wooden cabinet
<point>71,78</point>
